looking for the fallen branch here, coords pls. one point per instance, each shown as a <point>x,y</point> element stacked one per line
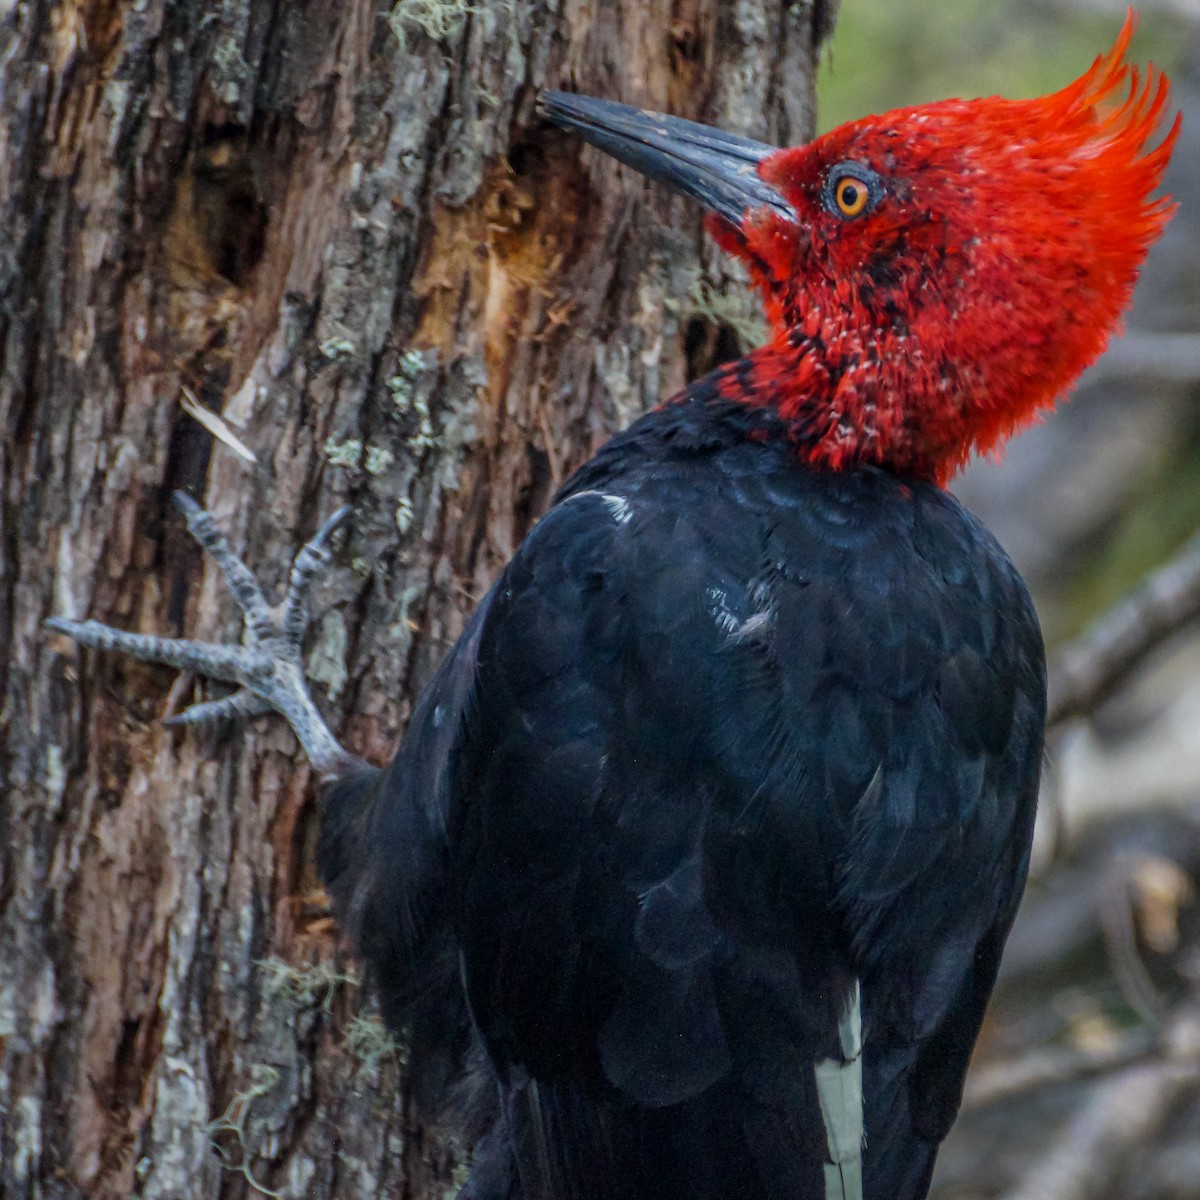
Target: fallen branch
<point>1051,1066</point>
<point>1126,1112</point>
<point>1089,669</point>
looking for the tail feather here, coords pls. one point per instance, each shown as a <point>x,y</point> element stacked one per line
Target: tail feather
<point>386,904</point>
<point>784,1123</point>
<point>567,1145</point>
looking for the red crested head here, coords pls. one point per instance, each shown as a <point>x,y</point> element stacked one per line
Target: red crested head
<point>935,276</point>
<point>960,263</point>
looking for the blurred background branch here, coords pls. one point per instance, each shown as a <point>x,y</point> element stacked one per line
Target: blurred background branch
<point>1089,669</point>
<point>1167,356</point>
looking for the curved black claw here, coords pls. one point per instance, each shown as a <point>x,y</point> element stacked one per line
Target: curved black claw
<point>307,568</point>
<point>268,669</point>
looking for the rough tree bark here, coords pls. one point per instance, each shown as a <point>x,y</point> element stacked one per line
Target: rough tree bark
<point>403,292</point>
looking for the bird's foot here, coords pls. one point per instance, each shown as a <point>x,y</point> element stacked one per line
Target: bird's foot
<point>267,668</point>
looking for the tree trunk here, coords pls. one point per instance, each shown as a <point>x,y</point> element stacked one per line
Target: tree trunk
<point>400,290</point>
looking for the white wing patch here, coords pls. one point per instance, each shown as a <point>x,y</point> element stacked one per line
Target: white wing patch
<point>839,1088</point>
<point>718,605</point>
<point>754,628</point>
<point>618,506</point>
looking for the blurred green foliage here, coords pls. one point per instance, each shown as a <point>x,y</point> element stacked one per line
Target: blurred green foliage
<point>901,52</point>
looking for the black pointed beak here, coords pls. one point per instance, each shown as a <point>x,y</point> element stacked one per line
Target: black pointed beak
<point>718,169</point>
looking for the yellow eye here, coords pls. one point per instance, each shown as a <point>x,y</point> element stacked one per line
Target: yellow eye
<point>851,195</point>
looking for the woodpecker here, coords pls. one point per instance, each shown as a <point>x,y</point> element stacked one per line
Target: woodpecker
<point>703,844</point>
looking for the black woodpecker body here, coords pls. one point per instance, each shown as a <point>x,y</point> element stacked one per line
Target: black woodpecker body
<point>730,744</point>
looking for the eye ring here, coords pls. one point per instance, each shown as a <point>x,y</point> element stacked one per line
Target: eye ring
<point>852,190</point>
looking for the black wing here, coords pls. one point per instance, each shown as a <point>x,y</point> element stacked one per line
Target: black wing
<point>741,736</point>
